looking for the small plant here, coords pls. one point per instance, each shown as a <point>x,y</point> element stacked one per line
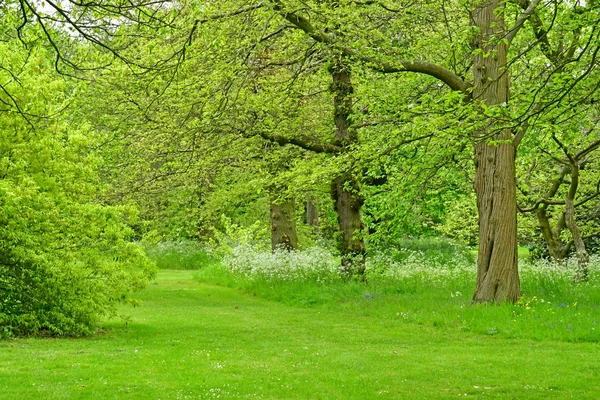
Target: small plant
<point>422,267</point>
<point>438,250</point>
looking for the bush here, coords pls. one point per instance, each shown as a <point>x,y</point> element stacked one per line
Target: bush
<point>66,259</point>
<point>59,275</point>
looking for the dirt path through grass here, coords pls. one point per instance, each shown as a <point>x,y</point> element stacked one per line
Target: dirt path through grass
<point>195,341</point>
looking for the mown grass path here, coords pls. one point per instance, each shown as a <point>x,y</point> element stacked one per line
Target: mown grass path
<point>194,341</point>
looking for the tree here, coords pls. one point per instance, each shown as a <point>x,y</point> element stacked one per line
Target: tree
<point>497,129</point>
<point>495,149</point>
<point>502,79</point>
<point>559,183</point>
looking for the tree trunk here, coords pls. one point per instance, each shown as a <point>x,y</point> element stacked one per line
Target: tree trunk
<point>312,214</point>
<point>582,255</point>
<point>283,225</point>
<point>346,191</point>
<point>556,247</point>
<point>495,181</point>
<point>348,203</point>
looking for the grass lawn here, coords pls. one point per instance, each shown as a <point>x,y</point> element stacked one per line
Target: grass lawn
<point>191,340</point>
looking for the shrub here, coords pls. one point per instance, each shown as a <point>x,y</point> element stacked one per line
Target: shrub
<point>66,259</point>
<point>59,275</point>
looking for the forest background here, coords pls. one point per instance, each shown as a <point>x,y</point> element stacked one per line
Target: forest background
<point>347,141</point>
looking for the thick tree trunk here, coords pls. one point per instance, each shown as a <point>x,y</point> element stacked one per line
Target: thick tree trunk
<point>497,271</point>
<point>348,203</point>
<point>312,214</point>
<point>345,190</point>
<point>283,225</point>
<point>495,182</point>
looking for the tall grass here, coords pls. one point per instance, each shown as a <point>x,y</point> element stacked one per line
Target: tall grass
<point>182,254</point>
<point>444,251</point>
<point>423,288</point>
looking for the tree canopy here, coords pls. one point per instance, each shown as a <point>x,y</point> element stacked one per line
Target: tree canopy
<point>129,121</point>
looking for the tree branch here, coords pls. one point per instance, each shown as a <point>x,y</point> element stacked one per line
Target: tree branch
<point>587,150</point>
<point>303,143</point>
<point>446,76</point>
<point>519,24</point>
<point>379,3</point>
<point>540,32</point>
<point>541,201</point>
<point>590,197</point>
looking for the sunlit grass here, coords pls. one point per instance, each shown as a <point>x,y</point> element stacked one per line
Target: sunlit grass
<point>423,290</point>
<point>190,340</point>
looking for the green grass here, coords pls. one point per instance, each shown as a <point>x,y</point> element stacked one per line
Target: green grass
<point>182,254</point>
<point>550,309</point>
<point>192,340</point>
<point>444,250</point>
<point>523,253</point>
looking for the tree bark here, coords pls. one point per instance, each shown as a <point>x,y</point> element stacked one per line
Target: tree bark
<point>283,225</point>
<point>556,247</point>
<point>312,214</point>
<point>348,203</point>
<point>345,188</point>
<point>495,180</point>
<point>582,255</point>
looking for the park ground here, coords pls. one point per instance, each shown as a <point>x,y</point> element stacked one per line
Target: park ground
<point>193,340</point>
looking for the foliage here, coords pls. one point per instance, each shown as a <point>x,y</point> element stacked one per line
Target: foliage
<point>318,264</point>
<point>194,116</point>
<point>311,264</point>
<point>461,221</point>
<point>66,259</point>
<point>433,251</point>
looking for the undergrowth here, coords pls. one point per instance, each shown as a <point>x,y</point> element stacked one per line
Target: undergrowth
<point>421,288</point>
<point>182,254</point>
